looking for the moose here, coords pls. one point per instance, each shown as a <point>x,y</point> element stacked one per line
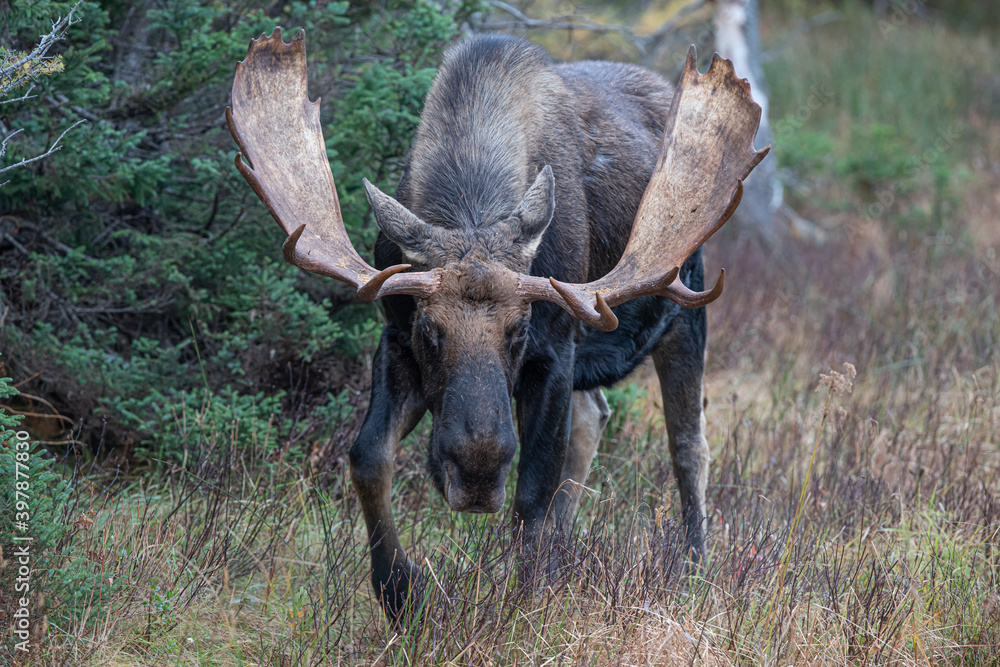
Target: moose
<point>544,239</point>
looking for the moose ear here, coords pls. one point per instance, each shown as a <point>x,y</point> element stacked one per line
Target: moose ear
<point>534,214</point>
<point>413,236</point>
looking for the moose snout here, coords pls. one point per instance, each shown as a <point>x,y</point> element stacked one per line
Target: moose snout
<point>474,475</point>
<point>474,440</point>
<point>477,498</point>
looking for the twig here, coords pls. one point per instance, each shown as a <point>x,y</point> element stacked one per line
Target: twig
<point>652,46</point>
<point>3,144</point>
<point>69,441</point>
<point>150,306</point>
<point>30,377</point>
<point>55,146</point>
<point>14,242</point>
<point>42,415</point>
<point>59,245</point>
<point>32,397</point>
<point>26,96</point>
<point>642,43</point>
<point>58,31</point>
<point>11,74</point>
<point>552,24</point>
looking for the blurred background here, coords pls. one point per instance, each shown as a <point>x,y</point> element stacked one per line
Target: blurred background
<point>148,323</point>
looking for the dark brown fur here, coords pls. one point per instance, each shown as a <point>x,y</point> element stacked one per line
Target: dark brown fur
<point>497,114</point>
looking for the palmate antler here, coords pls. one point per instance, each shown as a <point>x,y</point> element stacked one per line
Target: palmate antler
<point>696,186</point>
<point>278,129</point>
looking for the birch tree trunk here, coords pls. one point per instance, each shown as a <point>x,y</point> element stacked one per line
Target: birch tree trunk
<point>737,37</point>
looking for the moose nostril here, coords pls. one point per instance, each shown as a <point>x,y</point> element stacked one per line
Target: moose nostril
<point>464,495</point>
<point>451,482</point>
<point>450,474</point>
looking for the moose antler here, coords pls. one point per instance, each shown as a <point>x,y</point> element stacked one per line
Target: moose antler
<point>696,186</point>
<point>278,129</point>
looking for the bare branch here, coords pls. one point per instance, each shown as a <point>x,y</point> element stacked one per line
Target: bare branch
<point>642,43</point>
<point>563,23</point>
<point>655,45</point>
<point>3,144</point>
<point>26,96</point>
<point>40,415</point>
<point>9,72</point>
<point>22,223</point>
<point>52,149</point>
<point>14,242</point>
<point>14,74</point>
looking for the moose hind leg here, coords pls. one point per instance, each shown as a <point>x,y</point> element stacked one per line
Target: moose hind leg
<point>680,363</point>
<point>395,409</point>
<point>590,416</point>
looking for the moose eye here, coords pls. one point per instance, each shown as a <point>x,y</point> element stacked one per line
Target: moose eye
<point>520,335</point>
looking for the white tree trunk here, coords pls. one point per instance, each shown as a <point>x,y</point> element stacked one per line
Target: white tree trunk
<point>737,37</point>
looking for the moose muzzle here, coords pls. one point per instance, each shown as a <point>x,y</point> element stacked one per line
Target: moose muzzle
<point>475,442</point>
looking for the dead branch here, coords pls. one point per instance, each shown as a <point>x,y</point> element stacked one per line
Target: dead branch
<point>26,161</point>
<point>642,43</point>
<point>657,43</point>
<point>11,74</point>
<point>26,96</point>
<point>563,23</point>
<point>671,24</point>
<point>39,415</point>
<point>14,242</point>
<point>3,144</point>
<point>22,223</point>
<point>15,74</point>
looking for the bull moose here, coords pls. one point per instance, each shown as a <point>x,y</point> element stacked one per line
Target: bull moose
<point>543,240</point>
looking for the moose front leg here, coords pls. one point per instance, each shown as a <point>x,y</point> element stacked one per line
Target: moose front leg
<point>680,363</point>
<point>543,420</point>
<point>395,409</point>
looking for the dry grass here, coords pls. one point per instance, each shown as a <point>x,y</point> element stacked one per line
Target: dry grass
<point>892,559</point>
<point>855,527</point>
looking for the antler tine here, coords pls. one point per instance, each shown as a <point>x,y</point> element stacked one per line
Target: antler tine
<point>682,295</point>
<point>602,318</point>
<point>278,130</point>
<point>695,188</point>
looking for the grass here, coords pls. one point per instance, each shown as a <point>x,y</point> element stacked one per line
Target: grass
<point>847,526</point>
